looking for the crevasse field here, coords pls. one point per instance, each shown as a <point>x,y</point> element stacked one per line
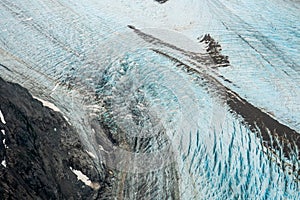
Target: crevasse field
<point>166,127</point>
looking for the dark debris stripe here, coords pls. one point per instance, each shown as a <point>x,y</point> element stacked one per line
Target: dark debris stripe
<point>3,66</point>
<point>275,136</point>
<point>161,1</point>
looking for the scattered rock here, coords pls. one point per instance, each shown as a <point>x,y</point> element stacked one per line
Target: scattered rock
<point>214,50</point>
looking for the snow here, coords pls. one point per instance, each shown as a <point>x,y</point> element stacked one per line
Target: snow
<point>27,19</point>
<point>5,146</point>
<point>3,163</point>
<point>3,141</point>
<point>185,109</point>
<point>67,119</point>
<point>48,104</point>
<point>101,148</point>
<point>90,154</point>
<point>2,118</point>
<point>82,177</point>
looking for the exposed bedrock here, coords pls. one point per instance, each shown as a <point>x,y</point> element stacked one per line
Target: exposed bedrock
<point>161,1</point>
<point>39,150</point>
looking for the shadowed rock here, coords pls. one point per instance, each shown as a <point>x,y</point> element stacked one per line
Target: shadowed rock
<point>40,148</point>
<point>161,1</point>
<point>214,50</point>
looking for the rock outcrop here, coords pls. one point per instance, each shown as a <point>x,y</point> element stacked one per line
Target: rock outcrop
<point>161,1</point>
<point>214,50</point>
<point>40,151</point>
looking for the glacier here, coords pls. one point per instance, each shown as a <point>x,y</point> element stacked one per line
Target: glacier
<point>150,104</point>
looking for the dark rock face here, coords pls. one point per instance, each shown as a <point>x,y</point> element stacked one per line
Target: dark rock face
<point>39,147</point>
<point>214,50</point>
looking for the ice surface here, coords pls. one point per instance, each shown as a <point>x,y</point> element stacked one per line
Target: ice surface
<point>84,58</point>
<point>91,154</point>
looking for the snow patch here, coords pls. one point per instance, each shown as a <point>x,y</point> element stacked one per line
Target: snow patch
<point>48,104</point>
<point>82,177</point>
<point>3,132</point>
<point>2,118</point>
<point>27,19</point>
<point>3,163</point>
<point>67,120</point>
<point>101,148</point>
<point>6,147</point>
<point>90,154</point>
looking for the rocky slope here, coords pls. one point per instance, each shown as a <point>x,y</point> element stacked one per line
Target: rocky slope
<point>41,153</point>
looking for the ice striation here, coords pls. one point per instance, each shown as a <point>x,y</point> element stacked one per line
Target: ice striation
<point>167,116</point>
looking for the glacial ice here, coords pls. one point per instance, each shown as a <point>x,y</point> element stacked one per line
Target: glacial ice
<point>82,56</point>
